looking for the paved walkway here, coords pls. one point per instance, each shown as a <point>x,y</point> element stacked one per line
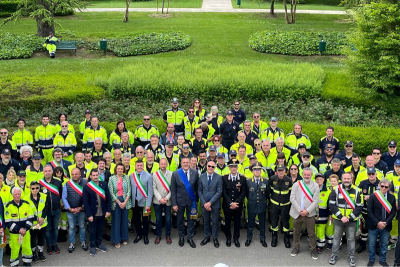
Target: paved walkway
<point>213,6</point>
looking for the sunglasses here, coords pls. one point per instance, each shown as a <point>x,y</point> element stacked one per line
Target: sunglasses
<point>216,140</point>
<point>64,126</point>
<point>185,147</point>
<point>384,186</point>
<point>307,157</point>
<point>392,147</point>
<point>35,188</point>
<point>146,119</point>
<point>293,169</point>
<point>255,117</point>
<point>370,174</point>
<point>196,102</point>
<point>328,149</point>
<point>208,166</point>
<point>376,153</point>
<point>349,146</point>
<point>190,111</point>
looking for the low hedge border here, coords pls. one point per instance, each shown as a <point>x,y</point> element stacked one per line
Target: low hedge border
<point>364,138</point>
<point>297,43</point>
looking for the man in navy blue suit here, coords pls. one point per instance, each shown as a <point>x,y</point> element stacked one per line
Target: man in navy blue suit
<point>97,202</point>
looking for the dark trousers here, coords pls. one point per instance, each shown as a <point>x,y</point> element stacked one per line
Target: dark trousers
<point>190,222</point>
<point>96,231</point>
<point>279,212</point>
<point>141,222</point>
<point>236,214</point>
<point>208,217</point>
<point>37,238</point>
<point>158,210</point>
<point>53,217</point>
<point>250,225</point>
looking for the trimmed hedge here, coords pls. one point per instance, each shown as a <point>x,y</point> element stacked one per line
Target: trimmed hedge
<point>213,81</point>
<point>364,138</point>
<point>19,45</point>
<point>34,92</point>
<point>297,43</point>
<point>146,44</point>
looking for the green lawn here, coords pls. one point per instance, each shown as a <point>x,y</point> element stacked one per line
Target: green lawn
<point>145,4</point>
<point>219,37</point>
<point>308,5</point>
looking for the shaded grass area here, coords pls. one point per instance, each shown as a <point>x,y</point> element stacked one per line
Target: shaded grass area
<point>145,4</point>
<point>304,5</point>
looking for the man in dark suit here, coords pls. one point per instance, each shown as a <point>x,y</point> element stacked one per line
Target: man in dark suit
<point>257,195</point>
<point>104,174</point>
<point>185,200</point>
<point>234,192</point>
<point>142,197</point>
<point>97,203</point>
<point>210,191</point>
<point>381,211</point>
<point>59,161</point>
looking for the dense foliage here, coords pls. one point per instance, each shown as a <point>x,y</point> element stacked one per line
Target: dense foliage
<point>297,43</point>
<point>213,81</point>
<point>19,46</point>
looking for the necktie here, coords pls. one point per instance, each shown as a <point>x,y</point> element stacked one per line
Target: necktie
<point>186,173</point>
<point>258,182</point>
<point>209,180</point>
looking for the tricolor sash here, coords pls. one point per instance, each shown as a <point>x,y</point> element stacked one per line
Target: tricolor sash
<point>347,197</point>
<point>97,189</point>
<point>139,184</point>
<point>51,187</point>
<point>190,192</point>
<point>383,201</point>
<point>55,164</point>
<point>163,180</point>
<point>306,190</point>
<point>102,177</point>
<point>76,187</point>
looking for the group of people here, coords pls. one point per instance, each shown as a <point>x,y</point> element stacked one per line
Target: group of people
<point>224,171</point>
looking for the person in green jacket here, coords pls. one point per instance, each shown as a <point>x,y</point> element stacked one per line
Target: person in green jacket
<point>50,44</point>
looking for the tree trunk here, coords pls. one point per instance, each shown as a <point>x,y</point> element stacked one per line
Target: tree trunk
<point>43,28</point>
<point>272,9</point>
<point>286,14</point>
<point>162,8</point>
<point>291,11</point>
<point>126,17</point>
<point>294,13</point>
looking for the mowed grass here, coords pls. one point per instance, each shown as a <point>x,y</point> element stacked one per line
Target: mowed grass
<point>145,4</point>
<point>308,5</point>
<point>216,37</point>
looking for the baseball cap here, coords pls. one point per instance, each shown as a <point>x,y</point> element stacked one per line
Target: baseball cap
<point>371,170</point>
<point>88,111</point>
<point>280,167</point>
<point>397,162</point>
<point>169,143</point>
<point>220,155</point>
<point>212,148</point>
<point>174,100</point>
<point>37,156</point>
<point>306,154</point>
<point>232,152</point>
<point>392,143</point>
<point>274,119</point>
<point>21,173</point>
<point>6,151</point>
<point>302,145</point>
<point>229,112</point>
<point>348,143</point>
<point>329,146</point>
<point>252,157</point>
<point>319,175</point>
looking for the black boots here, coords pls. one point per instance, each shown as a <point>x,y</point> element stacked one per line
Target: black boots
<point>286,240</point>
<point>274,240</point>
